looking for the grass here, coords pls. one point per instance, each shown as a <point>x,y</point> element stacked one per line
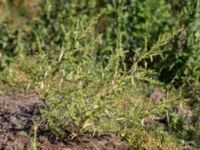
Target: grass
<point>87,79</point>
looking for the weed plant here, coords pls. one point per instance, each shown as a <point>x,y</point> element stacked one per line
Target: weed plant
<point>94,63</point>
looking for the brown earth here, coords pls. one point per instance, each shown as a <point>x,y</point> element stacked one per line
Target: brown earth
<point>17,116</point>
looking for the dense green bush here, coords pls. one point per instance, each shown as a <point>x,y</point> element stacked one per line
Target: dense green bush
<point>137,24</point>
<point>9,44</point>
<point>141,23</point>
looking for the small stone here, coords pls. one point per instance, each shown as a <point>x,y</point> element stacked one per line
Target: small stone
<point>22,133</point>
<point>157,95</point>
<point>66,148</point>
<point>186,124</point>
<point>148,121</point>
<point>180,111</point>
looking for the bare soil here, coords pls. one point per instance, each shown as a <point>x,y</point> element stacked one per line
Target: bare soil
<point>17,116</point>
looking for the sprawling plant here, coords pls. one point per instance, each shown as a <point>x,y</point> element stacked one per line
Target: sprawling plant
<point>93,63</point>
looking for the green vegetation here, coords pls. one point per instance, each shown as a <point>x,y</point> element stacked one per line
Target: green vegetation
<point>95,62</point>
